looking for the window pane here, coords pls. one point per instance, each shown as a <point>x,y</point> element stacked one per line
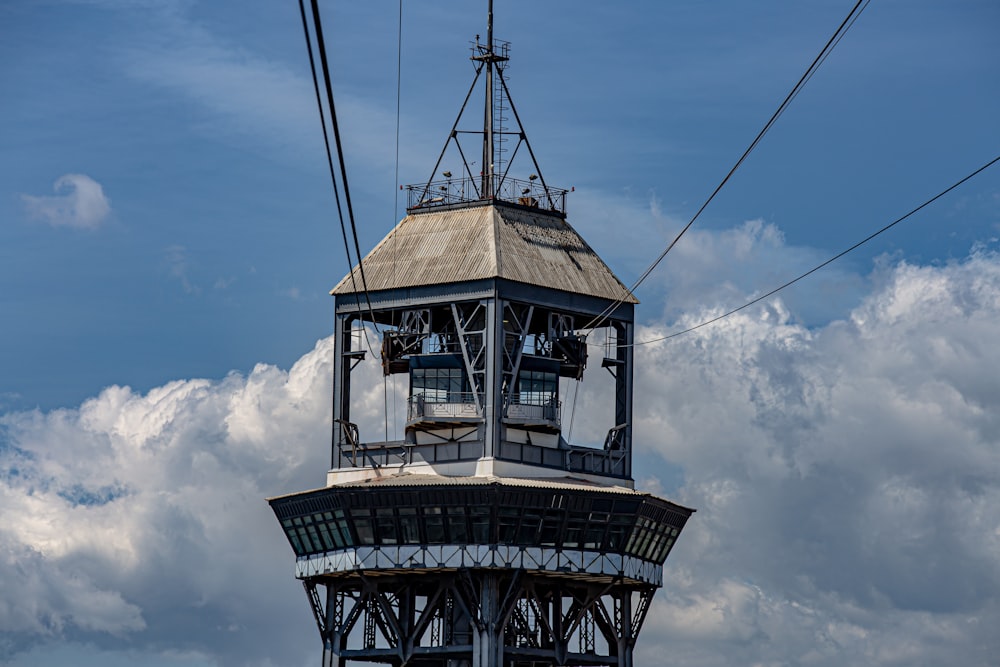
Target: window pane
<point>365,533</point>
<point>457,529</point>
<point>435,529</point>
<point>410,533</point>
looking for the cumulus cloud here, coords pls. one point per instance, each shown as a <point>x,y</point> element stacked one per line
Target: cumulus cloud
<point>140,521</point>
<point>79,201</point>
<point>845,476</point>
<point>710,267</point>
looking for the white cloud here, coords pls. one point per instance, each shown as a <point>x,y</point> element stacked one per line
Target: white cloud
<point>847,481</point>
<point>251,95</point>
<point>79,202</point>
<point>848,474</point>
<point>724,268</point>
<point>185,544</point>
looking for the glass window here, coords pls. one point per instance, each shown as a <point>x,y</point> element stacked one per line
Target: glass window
<point>529,527</point>
<point>439,385</point>
<point>616,537</point>
<point>296,543</point>
<point>574,534</point>
<point>408,525</point>
<point>537,387</point>
<point>550,530</point>
<point>307,546</point>
<point>595,534</point>
<point>386,523</point>
<point>365,533</point>
<point>480,524</point>
<point>341,524</point>
<point>325,534</point>
<point>457,528</point>
<point>434,523</point>
<point>508,517</point>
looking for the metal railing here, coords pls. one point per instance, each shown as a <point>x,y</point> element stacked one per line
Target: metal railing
<point>454,405</point>
<point>450,191</point>
<point>597,461</point>
<point>530,408</point>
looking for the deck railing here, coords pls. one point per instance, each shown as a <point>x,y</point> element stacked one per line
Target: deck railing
<point>451,191</point>
<point>454,405</point>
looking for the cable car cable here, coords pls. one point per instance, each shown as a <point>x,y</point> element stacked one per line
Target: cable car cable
<point>842,29</point>
<point>826,263</point>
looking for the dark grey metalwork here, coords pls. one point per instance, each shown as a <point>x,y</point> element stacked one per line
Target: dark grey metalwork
<point>482,537</point>
<point>480,618</point>
<point>451,191</point>
<point>492,182</point>
<point>488,572</point>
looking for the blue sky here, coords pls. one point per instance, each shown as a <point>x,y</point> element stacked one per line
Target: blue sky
<point>166,215</point>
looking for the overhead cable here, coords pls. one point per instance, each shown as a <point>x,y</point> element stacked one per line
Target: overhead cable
<point>827,262</point>
<point>842,29</point>
<point>395,209</point>
<point>321,47</point>
<point>326,138</point>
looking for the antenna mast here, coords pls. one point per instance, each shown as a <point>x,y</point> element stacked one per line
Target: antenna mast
<point>493,183</point>
<point>489,57</point>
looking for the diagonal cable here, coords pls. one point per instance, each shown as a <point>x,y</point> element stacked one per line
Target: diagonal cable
<point>827,262</point>
<point>842,29</point>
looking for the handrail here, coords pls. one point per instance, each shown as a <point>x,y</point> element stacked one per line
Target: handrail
<point>451,191</point>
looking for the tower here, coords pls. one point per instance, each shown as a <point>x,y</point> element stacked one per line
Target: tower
<point>482,538</point>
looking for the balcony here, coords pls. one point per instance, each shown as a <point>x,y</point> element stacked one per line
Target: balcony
<point>447,408</point>
<point>533,410</point>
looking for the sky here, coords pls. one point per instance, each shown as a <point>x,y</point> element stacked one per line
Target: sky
<point>168,241</point>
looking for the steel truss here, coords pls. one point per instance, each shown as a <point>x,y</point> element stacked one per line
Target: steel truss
<point>477,618</point>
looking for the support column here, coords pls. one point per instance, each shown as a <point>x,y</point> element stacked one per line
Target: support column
<point>493,403</point>
<point>624,332</point>
<point>487,642</point>
<point>624,598</point>
<point>341,386</point>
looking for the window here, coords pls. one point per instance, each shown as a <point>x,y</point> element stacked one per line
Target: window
<point>537,387</point>
<point>386,523</point>
<point>434,523</point>
<point>439,385</point>
<point>409,525</point>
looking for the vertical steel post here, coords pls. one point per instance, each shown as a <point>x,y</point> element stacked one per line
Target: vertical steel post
<point>493,390</point>
<point>487,642</point>
<point>626,354</point>
<point>341,386</point>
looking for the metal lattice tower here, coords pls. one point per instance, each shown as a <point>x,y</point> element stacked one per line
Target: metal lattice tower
<point>483,538</point>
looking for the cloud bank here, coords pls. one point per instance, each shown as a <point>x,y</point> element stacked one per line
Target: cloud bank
<point>847,481</point>
<point>847,478</point>
<point>79,202</point>
<point>140,521</point>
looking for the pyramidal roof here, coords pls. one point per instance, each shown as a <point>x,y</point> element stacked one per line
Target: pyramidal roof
<point>484,241</point>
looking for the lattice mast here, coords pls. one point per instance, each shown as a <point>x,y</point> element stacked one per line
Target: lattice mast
<point>483,537</point>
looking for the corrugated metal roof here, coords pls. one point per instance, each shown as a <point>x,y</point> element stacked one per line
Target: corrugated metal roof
<point>483,242</point>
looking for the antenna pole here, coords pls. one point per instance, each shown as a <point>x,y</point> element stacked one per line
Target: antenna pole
<point>487,188</point>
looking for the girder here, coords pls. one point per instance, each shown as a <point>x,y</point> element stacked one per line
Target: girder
<point>477,618</point>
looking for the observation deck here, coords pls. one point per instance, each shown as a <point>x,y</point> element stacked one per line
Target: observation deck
<point>451,192</point>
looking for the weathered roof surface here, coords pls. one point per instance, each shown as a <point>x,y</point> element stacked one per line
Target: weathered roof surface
<point>483,242</point>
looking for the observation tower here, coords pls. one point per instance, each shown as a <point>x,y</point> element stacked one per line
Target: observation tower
<point>483,537</point>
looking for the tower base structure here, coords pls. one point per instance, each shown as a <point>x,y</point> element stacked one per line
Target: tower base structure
<point>479,571</point>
